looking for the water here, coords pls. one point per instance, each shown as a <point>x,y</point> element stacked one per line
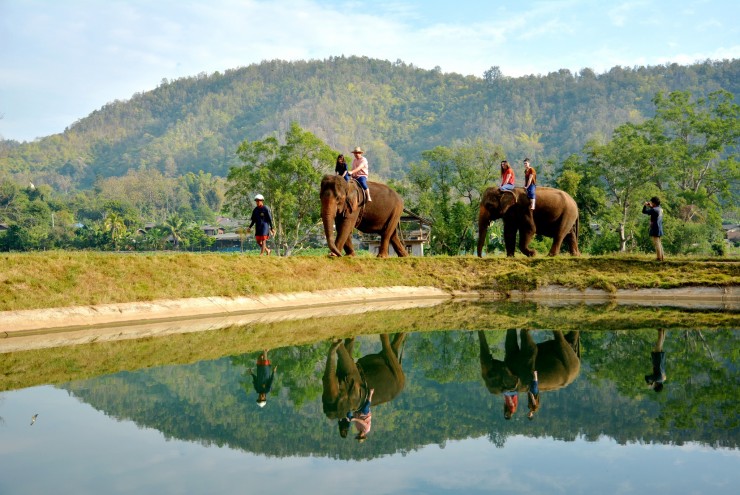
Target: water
<point>197,429</point>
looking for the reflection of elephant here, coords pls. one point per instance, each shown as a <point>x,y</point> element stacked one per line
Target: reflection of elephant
<point>347,384</point>
<point>342,203</point>
<point>556,216</point>
<point>556,361</point>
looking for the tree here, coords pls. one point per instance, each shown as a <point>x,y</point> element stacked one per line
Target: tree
<point>115,227</point>
<point>448,184</point>
<point>288,176</point>
<point>175,226</point>
<point>700,140</point>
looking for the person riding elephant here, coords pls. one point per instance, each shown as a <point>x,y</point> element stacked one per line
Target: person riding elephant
<point>345,205</point>
<point>556,216</point>
<point>557,363</point>
<point>347,384</point>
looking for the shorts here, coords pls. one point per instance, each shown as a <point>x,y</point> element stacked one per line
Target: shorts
<point>531,191</point>
<point>260,238</point>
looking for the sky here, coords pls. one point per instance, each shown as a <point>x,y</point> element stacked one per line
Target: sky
<point>60,60</point>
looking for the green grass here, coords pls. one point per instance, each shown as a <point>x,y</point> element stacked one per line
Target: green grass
<point>61,278</point>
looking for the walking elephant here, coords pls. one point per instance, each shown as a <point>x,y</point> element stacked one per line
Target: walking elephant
<point>557,362</point>
<point>556,216</point>
<point>346,384</point>
<point>344,204</point>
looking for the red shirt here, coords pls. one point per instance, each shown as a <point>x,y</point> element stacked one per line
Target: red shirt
<point>507,177</point>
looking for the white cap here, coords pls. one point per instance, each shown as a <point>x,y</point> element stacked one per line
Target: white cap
<point>260,197</point>
<point>261,403</point>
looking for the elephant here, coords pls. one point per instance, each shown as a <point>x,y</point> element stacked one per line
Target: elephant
<point>344,203</point>
<point>557,362</point>
<point>346,384</point>
<point>556,216</point>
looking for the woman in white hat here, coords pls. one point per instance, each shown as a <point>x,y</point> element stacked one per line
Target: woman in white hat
<point>359,171</point>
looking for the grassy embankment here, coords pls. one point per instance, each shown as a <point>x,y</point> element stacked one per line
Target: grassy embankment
<point>59,279</point>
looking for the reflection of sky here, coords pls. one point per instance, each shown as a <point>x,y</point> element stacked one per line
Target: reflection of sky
<point>75,449</point>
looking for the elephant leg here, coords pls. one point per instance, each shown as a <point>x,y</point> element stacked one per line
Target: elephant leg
<point>572,239</point>
<point>349,344</point>
<point>574,340</point>
<point>397,343</point>
<point>349,249</point>
<point>486,359</point>
<point>529,354</point>
<point>557,241</point>
<point>565,345</point>
<point>525,237</point>
<point>383,247</point>
<point>512,353</point>
<point>398,246</point>
<point>510,239</point>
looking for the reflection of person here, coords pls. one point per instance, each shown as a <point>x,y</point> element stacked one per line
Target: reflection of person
<point>262,223</point>
<point>653,209</point>
<point>341,168</point>
<point>533,396</point>
<point>262,381</point>
<point>507,176</point>
<point>511,401</point>
<point>360,170</point>
<point>363,418</point>
<point>658,377</point>
<point>344,424</point>
<point>530,182</point>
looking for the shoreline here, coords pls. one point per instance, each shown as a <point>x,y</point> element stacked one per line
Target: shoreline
<point>29,329</point>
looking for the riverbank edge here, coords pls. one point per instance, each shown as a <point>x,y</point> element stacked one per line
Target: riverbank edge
<point>56,319</point>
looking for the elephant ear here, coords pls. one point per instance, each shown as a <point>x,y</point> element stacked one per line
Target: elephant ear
<point>349,204</point>
<point>508,199</point>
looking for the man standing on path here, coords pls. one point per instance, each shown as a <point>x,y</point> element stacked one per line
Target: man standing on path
<point>262,222</point>
<point>653,209</point>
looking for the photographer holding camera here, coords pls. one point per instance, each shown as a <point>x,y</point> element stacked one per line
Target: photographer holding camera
<point>653,209</point>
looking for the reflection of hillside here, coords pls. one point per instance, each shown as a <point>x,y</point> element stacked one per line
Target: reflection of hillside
<point>444,398</point>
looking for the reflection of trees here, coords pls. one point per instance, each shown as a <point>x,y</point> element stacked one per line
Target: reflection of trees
<point>699,395</point>
<point>443,399</point>
<point>297,371</point>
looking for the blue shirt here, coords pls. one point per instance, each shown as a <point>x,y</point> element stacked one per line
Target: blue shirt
<point>656,220</point>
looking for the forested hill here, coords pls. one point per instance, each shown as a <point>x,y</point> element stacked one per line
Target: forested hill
<point>394,110</point>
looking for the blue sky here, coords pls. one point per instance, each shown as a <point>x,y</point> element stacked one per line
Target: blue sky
<point>62,59</point>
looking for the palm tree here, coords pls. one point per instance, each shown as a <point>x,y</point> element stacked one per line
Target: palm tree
<point>115,227</point>
<point>175,226</point>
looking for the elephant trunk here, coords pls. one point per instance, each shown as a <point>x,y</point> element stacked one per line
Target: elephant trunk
<point>484,219</point>
<point>328,215</point>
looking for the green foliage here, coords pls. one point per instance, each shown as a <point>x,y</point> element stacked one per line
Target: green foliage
<point>446,189</point>
<point>288,176</point>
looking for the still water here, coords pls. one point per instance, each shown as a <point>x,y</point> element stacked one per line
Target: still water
<point>438,426</point>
